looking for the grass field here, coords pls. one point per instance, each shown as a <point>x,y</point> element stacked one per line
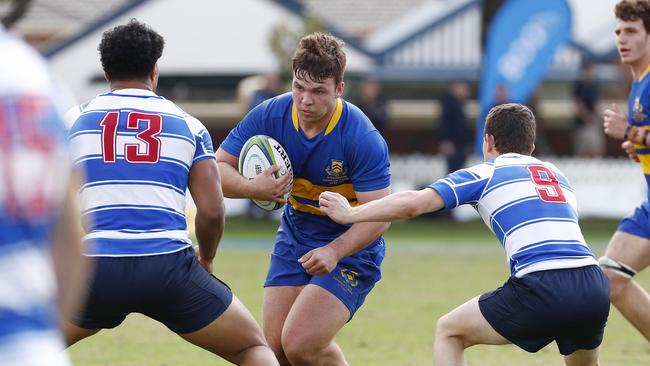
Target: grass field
<point>431,266</point>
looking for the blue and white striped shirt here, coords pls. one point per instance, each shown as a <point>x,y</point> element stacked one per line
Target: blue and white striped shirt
<point>34,173</point>
<point>136,149</point>
<point>530,207</point>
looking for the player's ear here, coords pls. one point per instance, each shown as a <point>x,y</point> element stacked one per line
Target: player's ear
<point>153,77</point>
<point>489,143</point>
<point>340,88</point>
<point>108,80</point>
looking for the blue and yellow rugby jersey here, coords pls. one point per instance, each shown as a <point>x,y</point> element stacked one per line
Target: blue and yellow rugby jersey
<point>350,155</point>
<point>638,107</point>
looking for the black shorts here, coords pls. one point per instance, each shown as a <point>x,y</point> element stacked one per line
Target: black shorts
<point>568,306</point>
<point>171,288</point>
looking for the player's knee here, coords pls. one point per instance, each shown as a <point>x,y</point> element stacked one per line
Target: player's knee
<point>297,351</point>
<point>446,328</point>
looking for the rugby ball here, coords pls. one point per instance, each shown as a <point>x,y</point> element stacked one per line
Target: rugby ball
<point>257,155</point>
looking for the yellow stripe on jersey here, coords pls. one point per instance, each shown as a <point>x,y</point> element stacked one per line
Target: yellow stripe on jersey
<point>303,188</point>
<point>644,159</point>
<point>304,207</point>
<point>330,125</point>
<point>335,117</point>
<point>647,70</point>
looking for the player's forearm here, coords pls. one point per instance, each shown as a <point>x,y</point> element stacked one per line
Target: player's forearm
<point>397,206</point>
<point>233,184</point>
<point>357,237</point>
<point>209,230</point>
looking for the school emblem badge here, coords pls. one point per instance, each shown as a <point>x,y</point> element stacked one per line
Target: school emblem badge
<point>637,111</point>
<point>336,172</point>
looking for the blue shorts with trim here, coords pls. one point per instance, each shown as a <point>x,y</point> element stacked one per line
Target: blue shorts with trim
<point>568,306</point>
<point>638,223</point>
<point>350,281</point>
<point>171,288</point>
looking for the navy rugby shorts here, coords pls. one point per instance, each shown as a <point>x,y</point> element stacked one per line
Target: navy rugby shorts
<point>568,306</point>
<point>171,288</point>
<point>350,281</point>
<point>638,223</point>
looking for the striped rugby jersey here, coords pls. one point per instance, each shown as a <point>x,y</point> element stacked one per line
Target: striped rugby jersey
<point>136,149</point>
<point>530,207</point>
<point>34,173</point>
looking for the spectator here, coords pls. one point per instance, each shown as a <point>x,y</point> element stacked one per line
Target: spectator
<point>373,105</point>
<point>589,138</point>
<point>455,133</point>
<point>270,89</point>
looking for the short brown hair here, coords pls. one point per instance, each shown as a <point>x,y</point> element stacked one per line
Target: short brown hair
<point>319,56</point>
<point>513,128</point>
<point>631,10</point>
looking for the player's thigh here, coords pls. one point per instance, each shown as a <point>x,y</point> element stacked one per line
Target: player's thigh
<point>231,333</point>
<point>278,301</point>
<point>629,249</point>
<point>315,318</point>
<point>468,323</point>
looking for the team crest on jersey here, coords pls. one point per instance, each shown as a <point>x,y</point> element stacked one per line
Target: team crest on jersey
<point>347,279</point>
<point>336,172</point>
<point>637,111</point>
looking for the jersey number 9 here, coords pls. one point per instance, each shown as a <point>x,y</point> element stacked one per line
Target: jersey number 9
<point>546,184</point>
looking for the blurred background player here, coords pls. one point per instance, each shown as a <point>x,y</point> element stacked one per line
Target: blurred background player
<point>373,104</point>
<point>589,140</point>
<point>629,248</point>
<point>40,247</point>
<point>556,291</point>
<point>320,271</point>
<point>455,133</point>
<point>140,153</point>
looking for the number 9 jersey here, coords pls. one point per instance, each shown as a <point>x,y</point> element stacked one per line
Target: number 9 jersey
<point>135,149</point>
<point>530,207</point>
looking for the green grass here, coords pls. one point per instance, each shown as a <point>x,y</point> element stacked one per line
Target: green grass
<point>432,265</point>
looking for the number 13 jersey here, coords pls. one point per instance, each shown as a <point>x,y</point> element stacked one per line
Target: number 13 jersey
<point>530,207</point>
<point>135,149</point>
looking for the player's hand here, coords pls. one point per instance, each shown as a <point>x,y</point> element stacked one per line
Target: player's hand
<point>629,149</point>
<point>265,187</point>
<point>319,261</point>
<point>335,206</point>
<point>206,264</point>
<point>614,123</point>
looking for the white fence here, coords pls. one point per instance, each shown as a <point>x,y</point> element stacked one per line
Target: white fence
<point>610,187</point>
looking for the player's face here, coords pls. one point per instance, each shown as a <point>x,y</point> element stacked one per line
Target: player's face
<point>315,101</point>
<point>632,41</point>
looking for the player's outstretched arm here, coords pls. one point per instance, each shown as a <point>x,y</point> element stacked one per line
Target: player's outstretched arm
<point>205,187</point>
<point>263,187</point>
<point>396,206</point>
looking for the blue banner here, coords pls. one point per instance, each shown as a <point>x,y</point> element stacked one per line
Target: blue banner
<point>519,47</point>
